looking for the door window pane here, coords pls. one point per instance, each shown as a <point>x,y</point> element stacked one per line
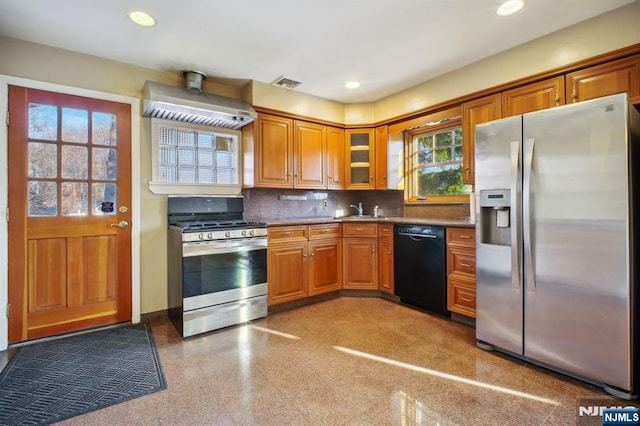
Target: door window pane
<point>75,199</point>
<point>103,200</point>
<point>103,129</point>
<point>43,198</point>
<point>43,122</point>
<point>75,125</point>
<point>43,160</point>
<point>74,162</point>
<point>105,164</point>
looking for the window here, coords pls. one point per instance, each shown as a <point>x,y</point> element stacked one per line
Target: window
<point>435,166</point>
<point>195,159</point>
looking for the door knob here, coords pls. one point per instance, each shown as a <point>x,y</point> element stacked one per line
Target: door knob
<point>122,224</point>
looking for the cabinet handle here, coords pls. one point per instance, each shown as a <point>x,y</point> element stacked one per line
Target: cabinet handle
<point>374,251</point>
<point>466,265</point>
<point>371,178</point>
<point>313,253</point>
<point>359,229</point>
<point>557,98</point>
<point>574,95</point>
<point>465,237</point>
<point>288,176</point>
<point>287,233</point>
<point>389,252</point>
<point>465,299</point>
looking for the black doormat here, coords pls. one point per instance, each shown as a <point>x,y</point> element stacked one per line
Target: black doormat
<point>55,380</point>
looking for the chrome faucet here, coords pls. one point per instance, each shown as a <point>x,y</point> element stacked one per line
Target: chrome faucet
<point>358,208</point>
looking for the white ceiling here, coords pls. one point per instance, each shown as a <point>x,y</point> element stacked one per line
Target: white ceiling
<point>387,45</point>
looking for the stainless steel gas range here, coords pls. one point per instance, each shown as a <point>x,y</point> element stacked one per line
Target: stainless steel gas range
<point>217,264</point>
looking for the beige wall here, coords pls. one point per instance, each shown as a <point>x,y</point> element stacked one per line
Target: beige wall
<point>604,33</point>
<point>27,60</point>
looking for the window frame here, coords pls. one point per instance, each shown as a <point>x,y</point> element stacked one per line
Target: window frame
<point>410,144</point>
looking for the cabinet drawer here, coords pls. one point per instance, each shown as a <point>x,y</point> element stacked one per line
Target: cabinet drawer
<point>326,230</point>
<point>461,260</point>
<point>461,236</point>
<point>360,229</point>
<point>288,233</point>
<point>463,296</point>
<point>385,230</point>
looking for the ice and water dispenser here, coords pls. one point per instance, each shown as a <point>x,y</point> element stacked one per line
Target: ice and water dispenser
<point>495,209</point>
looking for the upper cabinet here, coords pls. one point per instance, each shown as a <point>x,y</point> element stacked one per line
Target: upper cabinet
<point>533,97</point>
<point>620,76</point>
<point>286,153</point>
<point>335,158</point>
<point>310,155</point>
<point>475,112</point>
<point>381,149</point>
<point>273,152</point>
<point>359,158</point>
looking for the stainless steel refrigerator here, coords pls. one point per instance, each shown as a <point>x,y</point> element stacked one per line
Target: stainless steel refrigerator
<point>557,223</point>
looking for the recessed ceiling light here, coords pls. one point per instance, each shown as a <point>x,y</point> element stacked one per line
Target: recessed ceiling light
<point>352,84</point>
<point>510,7</point>
<point>142,18</point>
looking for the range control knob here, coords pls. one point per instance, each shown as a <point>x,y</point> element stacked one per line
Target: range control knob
<point>252,232</point>
<point>210,235</point>
<point>201,236</point>
<point>227,234</point>
<point>244,233</point>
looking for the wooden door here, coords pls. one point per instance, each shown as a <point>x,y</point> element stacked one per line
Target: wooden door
<point>533,97</point>
<point>475,112</point>
<point>69,188</point>
<point>274,152</point>
<point>360,263</point>
<point>621,76</point>
<point>382,152</point>
<point>325,266</point>
<point>335,158</point>
<point>310,156</point>
<point>385,258</point>
<point>287,272</point>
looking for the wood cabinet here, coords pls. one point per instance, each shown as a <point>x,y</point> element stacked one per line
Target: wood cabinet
<point>533,97</point>
<point>288,154</point>
<point>359,158</point>
<point>325,261</point>
<point>360,244</point>
<point>620,76</point>
<point>273,147</point>
<point>381,153</point>
<point>335,158</point>
<point>461,271</point>
<point>303,261</point>
<point>309,155</point>
<point>385,258</point>
<point>475,112</point>
<point>287,266</point>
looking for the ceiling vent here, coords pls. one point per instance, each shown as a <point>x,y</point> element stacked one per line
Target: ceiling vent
<point>286,82</point>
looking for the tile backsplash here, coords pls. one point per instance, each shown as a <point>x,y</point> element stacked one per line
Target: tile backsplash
<point>276,204</point>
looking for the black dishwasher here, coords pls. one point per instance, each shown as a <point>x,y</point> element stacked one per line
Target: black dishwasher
<point>420,267</point>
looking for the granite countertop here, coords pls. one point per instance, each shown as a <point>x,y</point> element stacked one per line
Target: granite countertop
<point>347,219</point>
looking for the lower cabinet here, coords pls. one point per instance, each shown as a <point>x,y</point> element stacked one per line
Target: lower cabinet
<point>385,258</point>
<point>360,245</point>
<point>303,261</point>
<point>461,271</point>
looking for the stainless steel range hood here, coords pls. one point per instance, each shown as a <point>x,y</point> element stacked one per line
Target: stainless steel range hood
<point>194,106</point>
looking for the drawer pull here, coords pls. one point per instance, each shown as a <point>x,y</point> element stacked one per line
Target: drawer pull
<point>287,233</point>
<point>465,237</point>
<point>465,299</point>
<point>359,229</point>
<point>466,265</point>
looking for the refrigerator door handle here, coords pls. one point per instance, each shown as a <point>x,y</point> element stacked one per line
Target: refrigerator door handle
<point>516,275</point>
<point>530,278</point>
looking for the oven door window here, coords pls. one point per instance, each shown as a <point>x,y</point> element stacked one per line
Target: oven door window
<point>212,273</point>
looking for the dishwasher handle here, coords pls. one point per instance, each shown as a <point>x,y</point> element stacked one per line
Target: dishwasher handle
<point>406,234</point>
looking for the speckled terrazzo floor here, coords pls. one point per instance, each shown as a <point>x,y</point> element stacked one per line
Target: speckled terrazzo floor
<point>352,361</point>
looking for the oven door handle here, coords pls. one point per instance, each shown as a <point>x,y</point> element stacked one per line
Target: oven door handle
<point>205,248</point>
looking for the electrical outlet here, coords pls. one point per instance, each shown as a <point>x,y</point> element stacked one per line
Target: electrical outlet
<point>325,204</point>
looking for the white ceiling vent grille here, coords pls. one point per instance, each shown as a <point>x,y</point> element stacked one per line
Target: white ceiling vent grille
<point>286,82</point>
